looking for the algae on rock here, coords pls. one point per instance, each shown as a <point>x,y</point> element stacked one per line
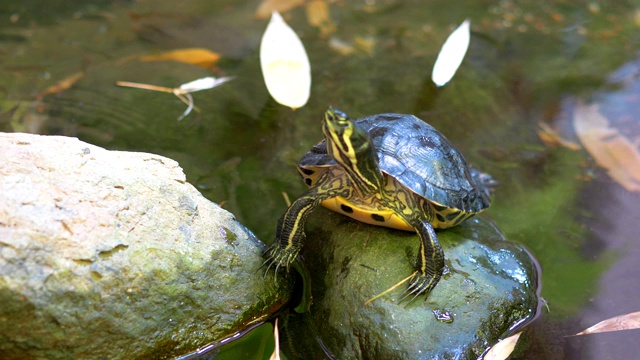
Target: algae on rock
<point>108,254</point>
<point>490,288</point>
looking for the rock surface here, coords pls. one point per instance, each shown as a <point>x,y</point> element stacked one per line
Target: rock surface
<point>108,254</point>
<point>489,288</point>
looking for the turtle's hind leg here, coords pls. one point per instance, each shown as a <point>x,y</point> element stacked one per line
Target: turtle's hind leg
<point>429,263</point>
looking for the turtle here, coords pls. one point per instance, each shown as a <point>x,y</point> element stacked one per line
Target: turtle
<point>392,170</point>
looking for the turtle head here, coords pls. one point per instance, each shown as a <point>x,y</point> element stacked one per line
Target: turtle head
<point>351,147</point>
<point>336,117</point>
<point>344,139</point>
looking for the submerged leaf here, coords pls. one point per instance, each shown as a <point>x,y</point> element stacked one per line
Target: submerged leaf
<point>195,56</point>
<point>451,54</point>
<point>318,16</point>
<point>285,65</point>
<point>551,137</point>
<point>365,43</point>
<point>503,348</point>
<point>267,7</point>
<point>63,84</point>
<point>341,47</point>
<point>610,148</point>
<point>629,321</point>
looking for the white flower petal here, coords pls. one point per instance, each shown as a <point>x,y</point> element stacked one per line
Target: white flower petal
<point>503,348</point>
<point>203,84</point>
<point>190,106</point>
<point>451,54</point>
<point>285,65</point>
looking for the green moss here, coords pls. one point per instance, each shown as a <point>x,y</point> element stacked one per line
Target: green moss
<point>546,218</point>
<point>491,286</point>
<point>229,236</point>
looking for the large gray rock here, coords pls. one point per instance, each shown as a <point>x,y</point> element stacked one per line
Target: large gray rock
<point>488,290</point>
<point>108,254</point>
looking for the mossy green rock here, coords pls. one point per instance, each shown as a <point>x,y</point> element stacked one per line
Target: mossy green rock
<point>490,288</point>
<point>113,255</point>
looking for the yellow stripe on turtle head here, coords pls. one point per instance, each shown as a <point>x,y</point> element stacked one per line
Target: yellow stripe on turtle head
<point>351,147</point>
<point>337,130</point>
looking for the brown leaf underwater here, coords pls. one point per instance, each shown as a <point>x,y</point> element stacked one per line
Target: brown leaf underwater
<point>609,148</point>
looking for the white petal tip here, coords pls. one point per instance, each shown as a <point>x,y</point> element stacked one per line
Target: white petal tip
<point>451,55</point>
<point>285,65</point>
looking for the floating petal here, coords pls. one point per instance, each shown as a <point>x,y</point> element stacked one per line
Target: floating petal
<point>276,335</point>
<point>183,92</point>
<point>629,321</point>
<point>285,65</point>
<point>503,348</point>
<point>451,55</point>
<point>204,83</point>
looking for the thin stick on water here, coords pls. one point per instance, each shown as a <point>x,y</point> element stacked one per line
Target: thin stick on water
<point>390,289</point>
<point>286,198</point>
<point>183,92</point>
<point>145,86</point>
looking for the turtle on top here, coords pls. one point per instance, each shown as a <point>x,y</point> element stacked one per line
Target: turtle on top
<point>390,170</point>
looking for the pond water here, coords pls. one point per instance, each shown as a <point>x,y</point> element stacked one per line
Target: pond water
<point>547,101</point>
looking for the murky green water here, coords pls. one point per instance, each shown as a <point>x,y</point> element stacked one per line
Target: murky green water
<point>528,64</point>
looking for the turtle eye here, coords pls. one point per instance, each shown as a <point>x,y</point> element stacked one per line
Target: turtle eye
<point>340,115</point>
<point>329,115</point>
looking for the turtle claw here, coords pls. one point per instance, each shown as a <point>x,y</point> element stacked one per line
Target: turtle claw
<point>278,257</point>
<point>269,263</point>
<point>419,284</point>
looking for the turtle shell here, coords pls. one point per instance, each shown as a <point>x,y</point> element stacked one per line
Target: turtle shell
<point>419,157</point>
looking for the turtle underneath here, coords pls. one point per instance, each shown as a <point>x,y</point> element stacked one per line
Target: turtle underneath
<point>390,170</point>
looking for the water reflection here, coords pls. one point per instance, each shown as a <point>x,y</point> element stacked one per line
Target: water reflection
<point>613,202</point>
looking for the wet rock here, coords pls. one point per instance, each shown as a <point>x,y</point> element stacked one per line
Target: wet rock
<point>108,254</point>
<point>488,290</point>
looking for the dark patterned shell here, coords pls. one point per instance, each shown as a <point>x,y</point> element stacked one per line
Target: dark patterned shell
<point>419,157</point>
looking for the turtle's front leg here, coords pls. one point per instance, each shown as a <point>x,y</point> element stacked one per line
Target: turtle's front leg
<point>290,235</point>
<point>429,263</point>
<point>290,232</point>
